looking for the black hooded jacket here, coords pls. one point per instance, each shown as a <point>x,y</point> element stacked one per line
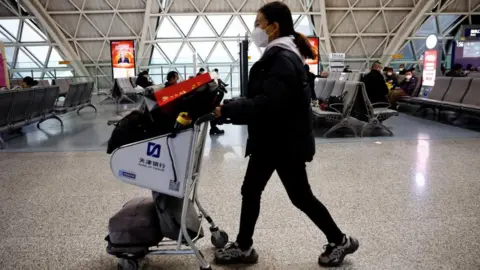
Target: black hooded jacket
<point>277,108</point>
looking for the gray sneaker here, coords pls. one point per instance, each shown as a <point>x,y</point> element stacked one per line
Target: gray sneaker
<point>232,254</point>
<point>334,253</point>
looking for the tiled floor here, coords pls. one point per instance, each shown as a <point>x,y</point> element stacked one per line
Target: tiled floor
<point>413,203</point>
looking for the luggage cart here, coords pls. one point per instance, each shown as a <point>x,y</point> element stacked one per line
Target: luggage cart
<point>169,164</point>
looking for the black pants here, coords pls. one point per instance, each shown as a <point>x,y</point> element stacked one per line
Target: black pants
<point>294,178</point>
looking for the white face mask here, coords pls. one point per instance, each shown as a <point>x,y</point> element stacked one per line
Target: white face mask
<point>389,73</point>
<point>408,77</point>
<point>260,37</point>
<point>401,69</point>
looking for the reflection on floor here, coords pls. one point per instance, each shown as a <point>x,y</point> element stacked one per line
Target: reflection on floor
<point>89,131</point>
<point>412,200</point>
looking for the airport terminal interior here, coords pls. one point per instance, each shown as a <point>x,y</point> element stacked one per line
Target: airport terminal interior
<point>401,176</point>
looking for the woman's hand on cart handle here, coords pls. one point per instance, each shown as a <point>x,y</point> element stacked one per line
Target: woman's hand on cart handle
<point>206,118</point>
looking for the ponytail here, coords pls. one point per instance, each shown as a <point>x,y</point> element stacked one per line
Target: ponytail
<point>306,49</point>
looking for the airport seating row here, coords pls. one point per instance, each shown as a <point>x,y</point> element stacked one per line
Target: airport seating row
<point>19,108</point>
<point>78,97</point>
<point>18,82</point>
<point>342,112</point>
<point>123,89</point>
<point>352,76</point>
<point>64,84</point>
<point>451,94</point>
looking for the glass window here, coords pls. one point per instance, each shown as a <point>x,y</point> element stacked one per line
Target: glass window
<point>29,34</point>
<point>170,49</point>
<point>157,58</point>
<point>23,61</point>
<point>202,29</point>
<point>304,26</point>
<point>184,22</point>
<point>419,46</point>
<point>235,29</point>
<point>219,22</point>
<point>11,26</point>
<point>55,58</point>
<point>40,52</point>
<point>253,53</point>
<point>295,18</point>
<point>10,52</point>
<point>167,30</point>
<point>249,21</point>
<point>445,21</point>
<point>185,56</point>
<point>64,73</point>
<point>203,48</point>
<point>428,27</point>
<point>234,49</point>
<point>407,52</point>
<point>219,55</point>
<point>3,38</point>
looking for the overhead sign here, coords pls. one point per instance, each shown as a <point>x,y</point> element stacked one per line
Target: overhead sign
<point>64,62</point>
<point>397,56</point>
<point>337,61</point>
<point>430,67</point>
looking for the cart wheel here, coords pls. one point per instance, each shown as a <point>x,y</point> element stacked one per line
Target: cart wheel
<point>219,239</point>
<point>127,264</point>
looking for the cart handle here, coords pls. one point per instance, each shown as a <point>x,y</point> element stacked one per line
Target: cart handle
<point>206,118</point>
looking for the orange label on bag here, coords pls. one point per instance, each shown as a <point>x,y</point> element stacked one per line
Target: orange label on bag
<point>175,91</point>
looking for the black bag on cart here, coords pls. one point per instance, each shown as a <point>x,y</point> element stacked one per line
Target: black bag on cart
<point>169,211</point>
<point>156,121</point>
<point>134,228</point>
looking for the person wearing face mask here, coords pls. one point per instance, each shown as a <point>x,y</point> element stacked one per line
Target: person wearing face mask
<point>405,88</point>
<point>401,70</point>
<point>143,79</point>
<point>391,77</point>
<point>278,113</point>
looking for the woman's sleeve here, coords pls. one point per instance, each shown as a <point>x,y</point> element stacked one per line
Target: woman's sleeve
<point>275,96</point>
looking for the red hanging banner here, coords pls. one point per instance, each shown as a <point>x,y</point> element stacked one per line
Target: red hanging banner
<point>175,91</point>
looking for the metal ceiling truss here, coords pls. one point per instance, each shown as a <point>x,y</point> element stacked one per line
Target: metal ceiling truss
<point>366,30</point>
<point>29,50</point>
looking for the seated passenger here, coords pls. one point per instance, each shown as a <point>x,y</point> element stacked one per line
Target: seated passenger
<point>220,82</point>
<point>201,71</point>
<point>401,69</point>
<point>375,84</point>
<point>391,77</point>
<point>172,78</point>
<point>144,80</point>
<point>456,71</point>
<point>405,88</point>
<point>29,82</point>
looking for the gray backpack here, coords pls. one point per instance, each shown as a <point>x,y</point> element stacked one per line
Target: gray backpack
<point>169,211</point>
<point>134,228</point>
